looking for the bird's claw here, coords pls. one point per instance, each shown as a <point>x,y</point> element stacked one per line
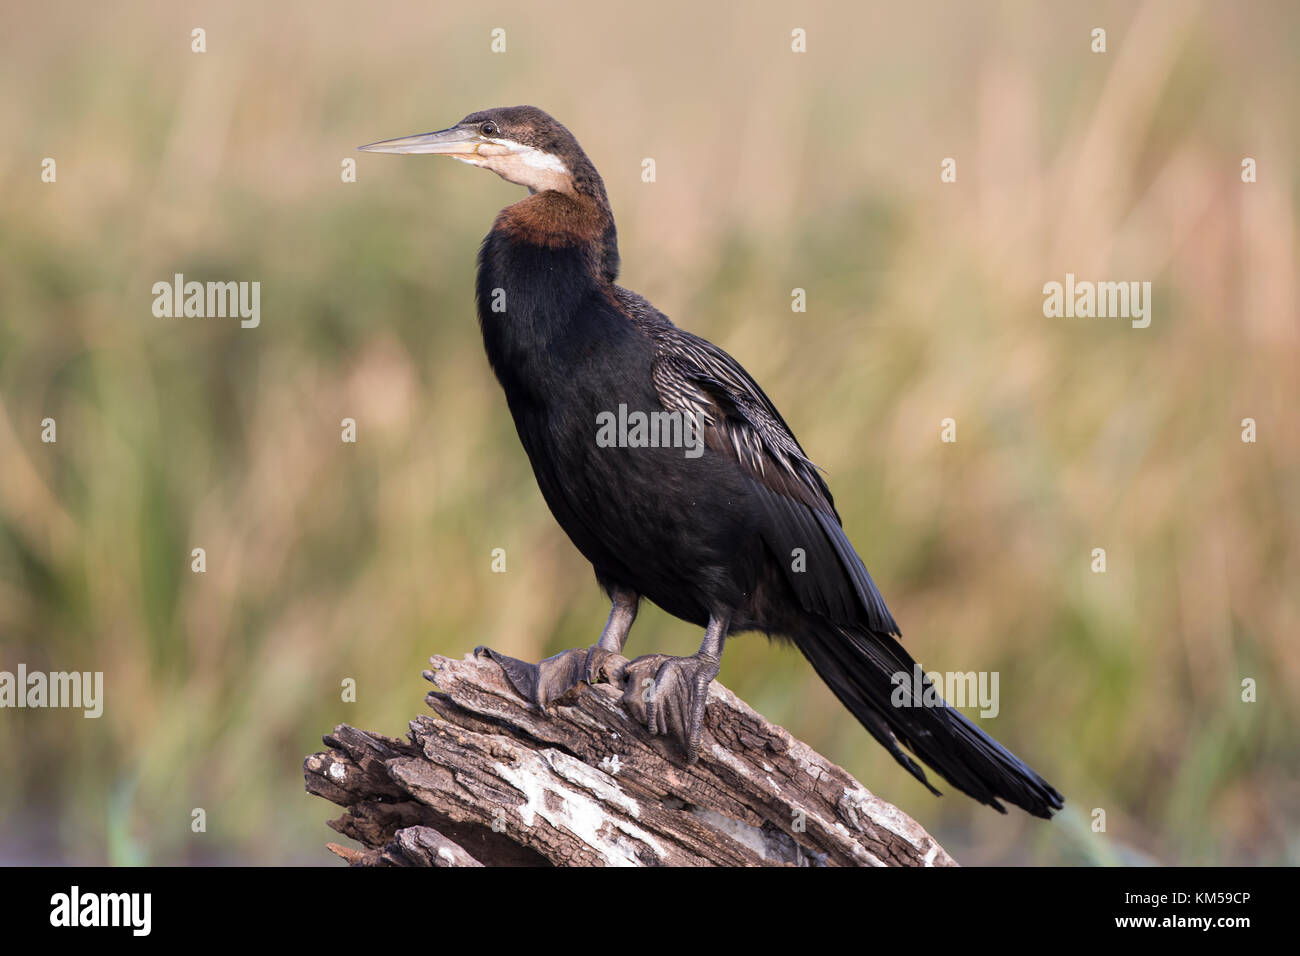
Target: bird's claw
<point>667,694</point>
<point>672,702</point>
<point>547,681</point>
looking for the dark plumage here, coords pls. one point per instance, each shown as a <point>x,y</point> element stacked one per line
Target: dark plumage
<point>710,538</point>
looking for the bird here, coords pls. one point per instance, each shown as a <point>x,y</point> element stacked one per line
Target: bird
<point>675,476</point>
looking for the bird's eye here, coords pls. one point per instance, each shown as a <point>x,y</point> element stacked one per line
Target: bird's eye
<point>490,129</point>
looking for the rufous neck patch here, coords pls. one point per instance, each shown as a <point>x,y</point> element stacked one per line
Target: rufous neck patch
<point>553,218</point>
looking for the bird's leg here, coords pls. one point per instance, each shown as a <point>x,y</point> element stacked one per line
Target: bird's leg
<point>548,680</point>
<point>609,649</point>
<point>672,702</point>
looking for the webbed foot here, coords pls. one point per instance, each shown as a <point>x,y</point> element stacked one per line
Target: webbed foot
<point>547,681</point>
<point>671,702</point>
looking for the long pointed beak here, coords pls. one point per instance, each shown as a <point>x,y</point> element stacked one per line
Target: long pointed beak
<point>457,141</point>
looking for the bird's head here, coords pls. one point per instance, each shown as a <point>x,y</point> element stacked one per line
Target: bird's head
<point>521,144</point>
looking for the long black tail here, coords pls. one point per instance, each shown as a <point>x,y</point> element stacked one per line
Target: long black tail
<point>860,667</point>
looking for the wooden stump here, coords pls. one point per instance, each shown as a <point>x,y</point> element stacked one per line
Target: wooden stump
<point>491,781</point>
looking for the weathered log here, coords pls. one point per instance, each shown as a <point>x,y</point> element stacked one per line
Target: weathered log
<point>493,781</point>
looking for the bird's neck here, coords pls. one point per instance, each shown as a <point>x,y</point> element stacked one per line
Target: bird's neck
<point>579,221</point>
<point>545,260</point>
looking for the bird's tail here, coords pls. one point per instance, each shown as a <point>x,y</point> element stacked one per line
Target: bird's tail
<point>876,679</point>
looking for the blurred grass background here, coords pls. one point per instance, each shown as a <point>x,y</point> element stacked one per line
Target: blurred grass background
<point>775,171</point>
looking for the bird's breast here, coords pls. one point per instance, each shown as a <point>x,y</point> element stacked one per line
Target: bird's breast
<point>545,313</point>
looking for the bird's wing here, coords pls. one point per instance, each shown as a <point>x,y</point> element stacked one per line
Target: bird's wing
<point>694,376</point>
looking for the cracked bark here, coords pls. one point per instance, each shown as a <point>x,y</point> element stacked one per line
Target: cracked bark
<point>493,782</point>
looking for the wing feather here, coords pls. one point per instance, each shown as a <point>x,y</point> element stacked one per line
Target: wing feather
<point>694,376</point>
